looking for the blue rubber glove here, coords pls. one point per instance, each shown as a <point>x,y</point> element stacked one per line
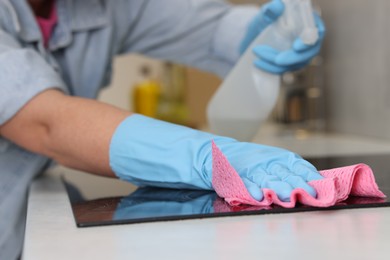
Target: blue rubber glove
<point>149,152</point>
<point>272,60</point>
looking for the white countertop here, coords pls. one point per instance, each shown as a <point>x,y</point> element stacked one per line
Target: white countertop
<point>319,144</point>
<point>51,232</point>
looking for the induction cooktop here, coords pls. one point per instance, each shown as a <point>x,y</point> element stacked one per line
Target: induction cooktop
<point>156,204</point>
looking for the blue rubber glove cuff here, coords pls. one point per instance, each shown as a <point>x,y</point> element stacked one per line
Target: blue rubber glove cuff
<point>150,152</point>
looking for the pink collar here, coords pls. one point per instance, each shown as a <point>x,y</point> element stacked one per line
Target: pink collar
<point>47,24</point>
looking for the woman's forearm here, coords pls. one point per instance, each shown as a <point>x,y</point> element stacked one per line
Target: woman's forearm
<point>76,132</point>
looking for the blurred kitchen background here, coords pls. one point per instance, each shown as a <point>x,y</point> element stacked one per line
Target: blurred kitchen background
<point>346,89</point>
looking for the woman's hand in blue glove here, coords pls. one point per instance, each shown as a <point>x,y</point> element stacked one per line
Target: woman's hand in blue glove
<point>150,152</point>
<point>272,60</point>
<point>261,166</point>
<point>300,55</point>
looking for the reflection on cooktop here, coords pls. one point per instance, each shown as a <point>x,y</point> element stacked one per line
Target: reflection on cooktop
<point>145,204</point>
<point>155,204</point>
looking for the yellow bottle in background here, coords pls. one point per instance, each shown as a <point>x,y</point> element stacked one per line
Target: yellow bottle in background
<point>163,99</point>
<point>146,94</point>
<point>172,105</point>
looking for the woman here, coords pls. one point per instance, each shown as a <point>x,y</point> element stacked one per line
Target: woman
<point>56,56</point>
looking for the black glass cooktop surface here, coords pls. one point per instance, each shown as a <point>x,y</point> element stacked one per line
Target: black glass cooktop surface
<point>155,204</point>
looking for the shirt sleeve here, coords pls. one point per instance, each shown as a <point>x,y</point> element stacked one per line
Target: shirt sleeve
<point>201,33</point>
<point>23,75</point>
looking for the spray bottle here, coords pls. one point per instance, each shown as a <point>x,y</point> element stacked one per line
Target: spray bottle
<point>247,95</point>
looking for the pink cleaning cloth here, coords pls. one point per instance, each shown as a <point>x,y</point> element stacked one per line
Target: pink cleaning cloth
<point>338,184</point>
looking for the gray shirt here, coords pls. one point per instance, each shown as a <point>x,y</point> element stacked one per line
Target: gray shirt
<point>89,34</point>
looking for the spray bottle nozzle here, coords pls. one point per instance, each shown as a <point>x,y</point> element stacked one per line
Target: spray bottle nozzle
<point>299,14</point>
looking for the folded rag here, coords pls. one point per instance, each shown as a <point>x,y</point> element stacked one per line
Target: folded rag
<point>338,184</point>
